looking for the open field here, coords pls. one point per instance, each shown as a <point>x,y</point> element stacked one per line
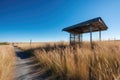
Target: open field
<point>7,62</point>
<point>66,63</point>
<point>4,43</point>
<point>35,45</point>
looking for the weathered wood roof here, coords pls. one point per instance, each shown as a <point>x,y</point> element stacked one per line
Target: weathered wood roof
<point>97,24</point>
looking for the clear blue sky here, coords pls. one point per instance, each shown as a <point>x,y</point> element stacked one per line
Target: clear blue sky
<point>43,20</point>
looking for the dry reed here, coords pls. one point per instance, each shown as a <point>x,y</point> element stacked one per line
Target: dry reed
<point>67,63</point>
<point>102,63</point>
<point>7,61</point>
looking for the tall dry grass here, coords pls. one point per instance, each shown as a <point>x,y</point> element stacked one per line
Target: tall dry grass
<point>7,61</point>
<point>35,45</point>
<point>66,63</point>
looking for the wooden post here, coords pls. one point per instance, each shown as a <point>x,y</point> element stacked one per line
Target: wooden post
<point>90,71</point>
<point>74,38</point>
<point>79,40</point>
<point>99,35</point>
<point>30,43</point>
<point>70,38</point>
<point>91,37</point>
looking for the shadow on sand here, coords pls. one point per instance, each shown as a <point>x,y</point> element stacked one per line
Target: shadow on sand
<point>28,68</point>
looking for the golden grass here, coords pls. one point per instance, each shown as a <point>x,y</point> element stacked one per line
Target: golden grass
<point>102,63</point>
<point>7,61</point>
<point>34,45</point>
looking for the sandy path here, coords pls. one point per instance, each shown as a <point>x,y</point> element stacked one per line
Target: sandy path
<point>27,68</point>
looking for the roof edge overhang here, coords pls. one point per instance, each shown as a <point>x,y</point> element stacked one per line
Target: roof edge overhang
<point>87,23</point>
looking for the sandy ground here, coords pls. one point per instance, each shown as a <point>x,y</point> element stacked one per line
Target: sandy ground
<point>27,68</point>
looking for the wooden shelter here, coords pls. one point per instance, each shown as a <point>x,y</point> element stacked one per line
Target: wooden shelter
<point>93,25</point>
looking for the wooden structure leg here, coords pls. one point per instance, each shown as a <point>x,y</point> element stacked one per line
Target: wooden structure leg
<point>91,37</point>
<point>70,39</point>
<point>99,35</point>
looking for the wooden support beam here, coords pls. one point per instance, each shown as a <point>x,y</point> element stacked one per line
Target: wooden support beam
<point>99,35</point>
<point>91,37</point>
<point>70,38</point>
<point>79,40</point>
<point>74,39</point>
<point>31,43</point>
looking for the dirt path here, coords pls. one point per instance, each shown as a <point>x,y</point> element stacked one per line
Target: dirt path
<point>27,67</point>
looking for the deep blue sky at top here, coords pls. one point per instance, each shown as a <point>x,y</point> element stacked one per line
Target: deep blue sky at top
<point>43,20</point>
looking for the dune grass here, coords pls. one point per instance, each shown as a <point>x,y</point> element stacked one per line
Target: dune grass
<point>35,45</point>
<point>4,43</point>
<point>67,63</point>
<point>7,61</point>
<point>102,63</point>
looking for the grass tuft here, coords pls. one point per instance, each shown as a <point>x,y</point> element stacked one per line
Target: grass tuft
<point>7,61</point>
